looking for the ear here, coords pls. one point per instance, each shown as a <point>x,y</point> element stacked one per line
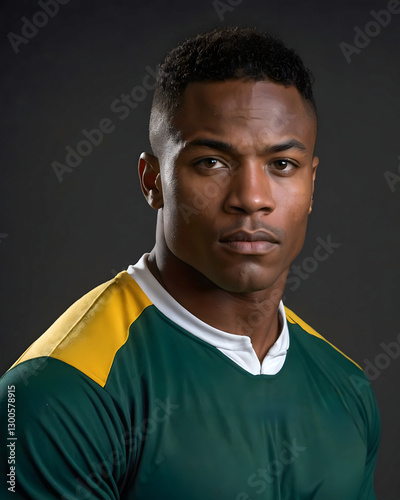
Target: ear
<point>150,180</point>
<point>315,163</point>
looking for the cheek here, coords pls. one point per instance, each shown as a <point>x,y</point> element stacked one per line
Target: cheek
<point>193,203</point>
<point>170,213</point>
<point>295,204</point>
<point>294,216</point>
<point>182,215</point>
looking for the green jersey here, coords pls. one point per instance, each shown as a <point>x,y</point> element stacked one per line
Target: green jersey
<point>129,396</point>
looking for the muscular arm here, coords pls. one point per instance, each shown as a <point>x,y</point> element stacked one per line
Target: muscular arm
<point>69,440</point>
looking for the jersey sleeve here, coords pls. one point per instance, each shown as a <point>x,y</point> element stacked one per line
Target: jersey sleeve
<point>64,437</point>
<point>373,440</point>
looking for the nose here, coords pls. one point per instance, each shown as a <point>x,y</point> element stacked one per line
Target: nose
<point>250,190</point>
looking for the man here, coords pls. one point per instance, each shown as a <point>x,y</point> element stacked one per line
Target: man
<point>185,377</point>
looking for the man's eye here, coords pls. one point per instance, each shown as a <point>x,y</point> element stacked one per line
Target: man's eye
<point>283,165</point>
<point>209,163</point>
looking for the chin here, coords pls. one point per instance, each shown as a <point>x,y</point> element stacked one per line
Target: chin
<point>245,282</point>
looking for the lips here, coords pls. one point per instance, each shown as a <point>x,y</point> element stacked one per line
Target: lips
<point>242,235</point>
<point>249,243</point>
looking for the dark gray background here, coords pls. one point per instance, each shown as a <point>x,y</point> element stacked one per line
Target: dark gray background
<point>59,240</point>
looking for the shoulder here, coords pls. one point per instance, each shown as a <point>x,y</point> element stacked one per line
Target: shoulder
<point>66,424</point>
<point>332,368</point>
<point>90,332</point>
<point>311,339</point>
<point>63,408</point>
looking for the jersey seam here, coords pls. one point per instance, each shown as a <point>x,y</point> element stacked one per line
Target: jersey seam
<point>115,281</point>
<point>292,317</point>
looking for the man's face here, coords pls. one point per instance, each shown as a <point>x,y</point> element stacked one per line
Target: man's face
<point>237,181</point>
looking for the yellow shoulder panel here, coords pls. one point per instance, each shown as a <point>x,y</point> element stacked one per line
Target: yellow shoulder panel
<point>90,332</point>
<point>293,318</point>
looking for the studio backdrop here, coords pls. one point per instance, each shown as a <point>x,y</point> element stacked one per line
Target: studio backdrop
<point>76,89</point>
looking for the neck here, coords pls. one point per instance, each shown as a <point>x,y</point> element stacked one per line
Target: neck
<point>254,314</point>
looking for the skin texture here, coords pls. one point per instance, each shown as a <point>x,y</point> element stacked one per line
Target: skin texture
<point>240,166</point>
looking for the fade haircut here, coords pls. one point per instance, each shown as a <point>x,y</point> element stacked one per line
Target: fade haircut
<point>224,54</point>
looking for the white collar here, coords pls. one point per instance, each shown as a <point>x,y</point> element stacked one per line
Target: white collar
<point>237,347</point>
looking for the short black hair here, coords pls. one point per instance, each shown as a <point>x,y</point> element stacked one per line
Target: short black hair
<point>224,54</point>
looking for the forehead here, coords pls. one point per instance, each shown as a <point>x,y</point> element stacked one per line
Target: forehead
<point>246,107</point>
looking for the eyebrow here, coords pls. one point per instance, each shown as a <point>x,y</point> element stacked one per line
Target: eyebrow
<point>229,148</point>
